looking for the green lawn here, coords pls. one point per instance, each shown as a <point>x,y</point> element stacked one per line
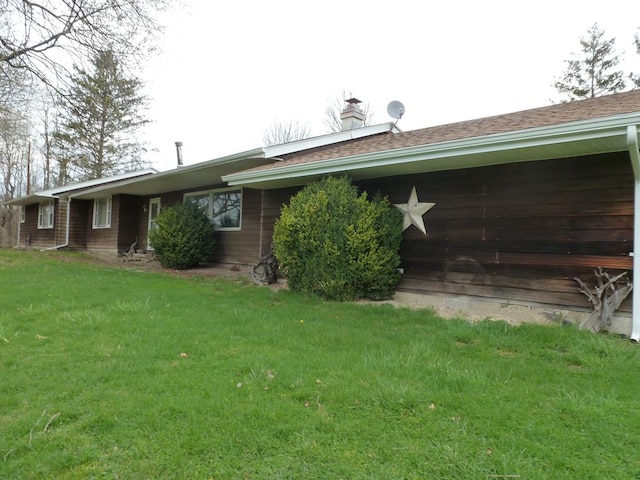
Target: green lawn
<point>111,373</point>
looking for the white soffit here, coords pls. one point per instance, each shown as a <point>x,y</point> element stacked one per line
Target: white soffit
<point>329,139</point>
<point>182,178</point>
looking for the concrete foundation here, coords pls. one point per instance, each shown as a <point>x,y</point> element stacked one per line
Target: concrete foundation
<point>478,308</point>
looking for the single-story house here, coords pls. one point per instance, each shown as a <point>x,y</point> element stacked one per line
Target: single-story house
<point>47,221</point>
<point>524,202</point>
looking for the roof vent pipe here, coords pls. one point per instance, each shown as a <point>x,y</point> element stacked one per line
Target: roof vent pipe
<point>179,153</point>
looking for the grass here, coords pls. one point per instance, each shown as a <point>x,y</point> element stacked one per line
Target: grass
<point>117,374</point>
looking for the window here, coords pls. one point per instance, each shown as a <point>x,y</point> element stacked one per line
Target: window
<point>102,212</point>
<point>226,209</point>
<point>23,209</point>
<point>223,207</point>
<point>45,214</point>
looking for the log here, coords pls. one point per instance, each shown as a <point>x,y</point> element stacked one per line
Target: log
<point>265,271</point>
<point>605,297</point>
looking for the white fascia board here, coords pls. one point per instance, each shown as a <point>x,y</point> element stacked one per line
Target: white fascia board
<point>31,199</point>
<point>56,192</point>
<point>329,139</point>
<point>105,189</point>
<point>536,137</point>
<point>254,153</point>
<point>103,180</point>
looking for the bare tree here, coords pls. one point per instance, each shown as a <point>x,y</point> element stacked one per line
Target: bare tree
<point>335,107</point>
<point>285,132</point>
<point>44,37</point>
<point>14,143</point>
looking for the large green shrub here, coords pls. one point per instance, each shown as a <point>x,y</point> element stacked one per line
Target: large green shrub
<point>183,236</point>
<point>335,243</point>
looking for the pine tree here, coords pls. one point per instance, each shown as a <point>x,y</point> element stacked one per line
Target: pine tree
<point>100,117</point>
<point>594,74</point>
<point>636,78</point>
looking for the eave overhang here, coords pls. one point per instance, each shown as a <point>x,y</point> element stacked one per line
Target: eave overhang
<point>329,139</point>
<point>212,172</point>
<point>182,178</point>
<point>67,190</point>
<point>580,138</point>
<point>31,199</point>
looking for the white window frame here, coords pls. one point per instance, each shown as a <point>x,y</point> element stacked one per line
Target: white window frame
<point>23,213</point>
<point>46,212</point>
<point>98,206</point>
<point>211,194</point>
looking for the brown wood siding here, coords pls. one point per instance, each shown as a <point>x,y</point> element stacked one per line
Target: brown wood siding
<point>130,214</point>
<point>80,222</point>
<point>142,227</point>
<point>272,203</point>
<point>521,231</point>
<point>143,224</point>
<point>237,247</point>
<point>104,238</point>
<point>60,221</point>
<point>31,235</point>
<point>242,246</point>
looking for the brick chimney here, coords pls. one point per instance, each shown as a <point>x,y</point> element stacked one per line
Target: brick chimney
<point>352,116</point>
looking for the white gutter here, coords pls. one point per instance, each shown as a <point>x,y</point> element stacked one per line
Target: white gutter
<point>66,240</point>
<point>632,142</point>
<point>546,136</point>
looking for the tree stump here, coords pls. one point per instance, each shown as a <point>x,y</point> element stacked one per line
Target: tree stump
<point>605,297</point>
<point>265,271</point>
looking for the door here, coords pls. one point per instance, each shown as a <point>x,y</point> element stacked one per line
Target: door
<point>154,210</point>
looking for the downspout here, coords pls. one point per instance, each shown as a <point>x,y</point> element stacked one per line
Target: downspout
<point>19,225</point>
<point>634,154</point>
<point>66,239</point>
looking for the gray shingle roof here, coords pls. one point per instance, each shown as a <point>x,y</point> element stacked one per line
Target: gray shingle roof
<point>600,107</point>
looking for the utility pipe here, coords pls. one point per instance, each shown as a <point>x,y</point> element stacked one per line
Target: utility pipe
<point>66,240</point>
<point>634,154</point>
<point>19,224</point>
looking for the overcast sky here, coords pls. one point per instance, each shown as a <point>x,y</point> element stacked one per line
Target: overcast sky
<point>228,70</point>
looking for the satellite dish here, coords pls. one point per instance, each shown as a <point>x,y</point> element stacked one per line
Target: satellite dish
<point>395,109</point>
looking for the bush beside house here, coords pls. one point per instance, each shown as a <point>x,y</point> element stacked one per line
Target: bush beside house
<point>183,237</point>
<point>336,243</point>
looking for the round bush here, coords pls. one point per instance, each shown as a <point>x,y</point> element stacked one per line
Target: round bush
<point>183,237</point>
<point>333,242</point>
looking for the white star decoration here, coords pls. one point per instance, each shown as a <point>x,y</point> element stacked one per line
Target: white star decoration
<point>413,211</point>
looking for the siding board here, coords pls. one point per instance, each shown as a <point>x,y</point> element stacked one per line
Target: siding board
<point>518,231</point>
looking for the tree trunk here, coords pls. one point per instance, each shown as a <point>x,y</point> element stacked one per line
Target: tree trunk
<point>265,272</point>
<point>606,297</point>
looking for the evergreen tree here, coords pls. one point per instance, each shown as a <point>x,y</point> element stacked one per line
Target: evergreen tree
<point>594,74</point>
<point>636,78</point>
<point>101,114</point>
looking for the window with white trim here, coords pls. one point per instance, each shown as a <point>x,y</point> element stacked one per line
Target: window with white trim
<point>23,216</point>
<point>223,207</point>
<point>45,214</point>
<point>102,212</point>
